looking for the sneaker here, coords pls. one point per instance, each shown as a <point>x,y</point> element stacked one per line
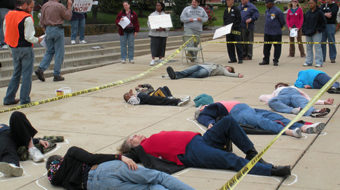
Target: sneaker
<point>306,65</point>
<point>35,155</point>
<point>122,61</point>
<point>73,42</point>
<point>334,90</point>
<point>40,74</point>
<point>315,128</point>
<point>152,62</point>
<point>83,42</point>
<point>9,169</point>
<point>131,61</point>
<point>321,113</point>
<point>297,133</point>
<point>171,72</point>
<point>318,65</point>
<point>57,78</point>
<point>296,111</point>
<point>184,101</point>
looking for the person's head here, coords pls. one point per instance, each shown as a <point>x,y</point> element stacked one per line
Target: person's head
<point>160,6</point>
<point>131,142</point>
<point>230,3</point>
<point>52,165</point>
<point>26,5</point>
<point>128,95</point>
<point>195,3</point>
<point>126,6</point>
<point>280,84</point>
<point>230,69</point>
<point>312,4</point>
<point>293,4</point>
<point>244,2</point>
<point>269,3</point>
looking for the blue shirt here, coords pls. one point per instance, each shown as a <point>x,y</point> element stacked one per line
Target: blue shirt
<point>248,11</point>
<point>274,21</point>
<point>306,77</point>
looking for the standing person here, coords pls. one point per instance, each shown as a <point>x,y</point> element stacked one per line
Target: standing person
<point>314,23</point>
<point>233,15</point>
<point>249,14</point>
<point>78,24</point>
<point>272,32</point>
<point>128,34</point>
<point>5,6</point>
<point>193,17</point>
<point>330,10</point>
<point>19,35</point>
<point>295,20</point>
<point>53,14</point>
<point>158,36</point>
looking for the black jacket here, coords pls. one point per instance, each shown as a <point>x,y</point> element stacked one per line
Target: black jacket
<point>71,173</point>
<point>333,8</point>
<point>313,22</point>
<point>9,4</point>
<point>234,16</point>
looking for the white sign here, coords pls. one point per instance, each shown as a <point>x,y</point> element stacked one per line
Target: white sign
<point>224,30</point>
<point>293,32</point>
<point>82,6</point>
<point>124,22</point>
<point>160,21</point>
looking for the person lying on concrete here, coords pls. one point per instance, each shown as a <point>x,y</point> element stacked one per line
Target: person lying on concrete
<point>79,169</point>
<point>19,133</point>
<point>289,99</point>
<point>148,89</point>
<point>203,71</point>
<point>258,118</point>
<point>144,97</point>
<point>315,79</point>
<point>191,149</point>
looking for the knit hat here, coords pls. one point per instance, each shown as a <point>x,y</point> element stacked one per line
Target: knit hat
<point>203,99</point>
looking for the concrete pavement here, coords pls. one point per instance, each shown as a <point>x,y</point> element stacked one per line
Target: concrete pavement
<point>100,121</point>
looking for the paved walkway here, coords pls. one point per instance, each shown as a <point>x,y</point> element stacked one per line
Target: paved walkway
<point>101,120</point>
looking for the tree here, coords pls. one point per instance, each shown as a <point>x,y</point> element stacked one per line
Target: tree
<point>177,8</point>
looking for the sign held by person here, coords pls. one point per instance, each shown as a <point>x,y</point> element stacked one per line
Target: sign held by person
<point>224,30</point>
<point>160,21</point>
<point>82,6</point>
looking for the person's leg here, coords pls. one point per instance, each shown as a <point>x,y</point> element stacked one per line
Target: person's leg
<point>279,120</point>
<point>27,70</point>
<point>158,100</point>
<point>291,47</point>
<point>131,45</point>
<point>3,12</point>
<point>309,49</point>
<point>244,37</point>
<point>187,72</point>
<point>281,104</point>
<point>238,48</point>
<point>153,47</point>
<point>59,47</point>
<point>318,51</point>
<point>116,175</point>
<point>320,80</point>
<point>277,47</point>
<point>201,73</point>
<point>166,91</point>
<point>250,46</point>
<point>162,47</point>
<point>49,39</point>
<point>266,49</point>
<point>82,29</point>
<point>231,48</point>
<point>299,39</point>
<point>8,149</point>
<point>74,29</point>
<point>21,129</point>
<point>323,46</point>
<point>123,48</point>
<point>15,80</point>
<point>298,100</point>
<point>331,38</point>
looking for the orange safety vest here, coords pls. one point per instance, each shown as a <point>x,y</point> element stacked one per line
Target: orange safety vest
<point>13,19</point>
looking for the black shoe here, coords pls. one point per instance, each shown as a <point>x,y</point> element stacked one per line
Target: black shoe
<point>276,63</point>
<point>40,74</point>
<point>281,171</point>
<point>264,63</point>
<point>334,90</point>
<point>57,78</point>
<point>232,61</point>
<point>240,61</point>
<point>321,113</point>
<point>12,103</point>
<point>171,72</point>
<point>252,153</point>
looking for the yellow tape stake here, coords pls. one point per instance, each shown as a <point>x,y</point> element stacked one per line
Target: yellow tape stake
<point>116,83</point>
<point>239,175</point>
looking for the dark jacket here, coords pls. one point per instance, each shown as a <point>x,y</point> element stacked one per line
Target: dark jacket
<point>71,172</point>
<point>9,4</point>
<point>333,8</point>
<point>249,11</point>
<point>212,113</point>
<point>234,16</point>
<point>138,155</point>
<point>149,89</point>
<point>313,22</point>
<point>134,20</point>
<point>274,21</point>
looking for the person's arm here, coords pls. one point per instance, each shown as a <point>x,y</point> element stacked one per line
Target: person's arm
<point>334,10</point>
<point>265,97</point>
<point>321,22</point>
<point>300,18</point>
<point>136,23</point>
<point>89,158</point>
<point>29,31</point>
<point>206,120</point>
<point>204,16</point>
<point>4,27</point>
<point>288,18</point>
<point>282,19</point>
<point>229,74</point>
<point>184,17</point>
<point>66,13</point>
<point>118,18</point>
<point>255,14</point>
<point>225,16</point>
<point>237,21</point>
<point>298,83</point>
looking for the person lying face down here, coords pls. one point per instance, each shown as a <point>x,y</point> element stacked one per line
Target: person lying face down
<point>79,169</point>
<point>289,99</point>
<point>203,71</point>
<point>191,149</point>
<point>154,97</point>
<point>258,118</point>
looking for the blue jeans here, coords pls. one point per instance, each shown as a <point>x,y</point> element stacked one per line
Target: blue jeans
<point>54,47</point>
<point>3,12</point>
<point>318,51</point>
<point>321,79</point>
<point>78,25</point>
<point>128,39</point>
<point>288,99</point>
<point>259,118</point>
<point>194,71</point>
<point>116,175</point>
<point>329,34</point>
<point>23,59</point>
<point>207,151</point>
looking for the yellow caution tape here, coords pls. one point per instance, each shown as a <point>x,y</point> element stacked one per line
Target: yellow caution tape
<point>243,172</point>
<point>260,42</point>
<point>116,83</point>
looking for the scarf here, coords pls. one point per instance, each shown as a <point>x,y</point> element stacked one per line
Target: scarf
<point>54,167</point>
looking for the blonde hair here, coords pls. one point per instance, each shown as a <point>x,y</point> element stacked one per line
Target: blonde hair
<point>290,5</point>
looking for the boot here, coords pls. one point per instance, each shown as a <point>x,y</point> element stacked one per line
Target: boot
<point>281,171</point>
<point>252,153</point>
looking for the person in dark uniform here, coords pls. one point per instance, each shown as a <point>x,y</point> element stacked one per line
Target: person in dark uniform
<point>233,15</point>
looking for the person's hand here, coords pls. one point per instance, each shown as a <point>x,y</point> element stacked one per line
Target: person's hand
<point>191,20</point>
<point>69,4</point>
<point>121,19</point>
<point>137,88</point>
<point>131,164</point>
<point>290,28</point>
<point>248,20</point>
<point>307,86</point>
<point>329,101</point>
<point>210,125</point>
<point>45,144</point>
<point>40,39</point>
<point>199,19</point>
<point>135,34</point>
<point>328,15</point>
<point>240,75</point>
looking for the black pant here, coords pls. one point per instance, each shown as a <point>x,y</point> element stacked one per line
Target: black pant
<point>19,134</point>
<point>231,47</point>
<point>268,47</point>
<point>247,35</point>
<point>157,100</point>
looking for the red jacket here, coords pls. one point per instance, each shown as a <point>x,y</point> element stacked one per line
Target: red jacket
<point>134,20</point>
<point>295,18</point>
